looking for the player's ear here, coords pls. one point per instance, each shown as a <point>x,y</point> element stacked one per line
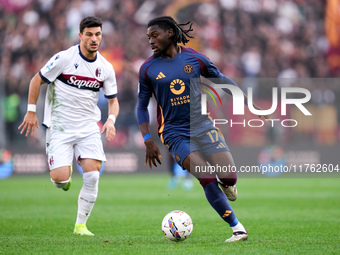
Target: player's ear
<point>80,34</point>
<point>170,33</point>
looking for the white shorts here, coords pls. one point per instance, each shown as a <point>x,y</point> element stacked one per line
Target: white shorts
<point>61,147</point>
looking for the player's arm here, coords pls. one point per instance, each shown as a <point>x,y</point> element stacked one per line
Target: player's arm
<point>110,91</point>
<point>227,80</point>
<point>109,125</point>
<point>268,117</point>
<point>152,153</point>
<point>30,120</point>
<point>211,71</point>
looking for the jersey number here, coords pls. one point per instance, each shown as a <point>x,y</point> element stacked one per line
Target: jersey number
<point>213,134</point>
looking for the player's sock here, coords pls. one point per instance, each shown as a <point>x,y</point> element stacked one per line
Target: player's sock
<point>65,185</point>
<point>60,184</point>
<point>227,181</point>
<point>239,228</point>
<point>173,183</point>
<point>220,203</point>
<point>87,196</point>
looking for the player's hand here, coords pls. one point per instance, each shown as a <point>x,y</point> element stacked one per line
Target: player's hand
<point>109,126</point>
<point>152,153</point>
<point>29,123</point>
<point>268,117</point>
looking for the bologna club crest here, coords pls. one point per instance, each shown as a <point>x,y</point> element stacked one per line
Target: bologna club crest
<point>98,72</point>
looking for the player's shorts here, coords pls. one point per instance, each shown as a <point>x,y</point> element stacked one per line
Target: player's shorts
<point>61,147</point>
<point>208,140</point>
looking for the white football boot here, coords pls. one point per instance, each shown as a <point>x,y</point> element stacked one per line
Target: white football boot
<point>229,191</point>
<point>238,236</point>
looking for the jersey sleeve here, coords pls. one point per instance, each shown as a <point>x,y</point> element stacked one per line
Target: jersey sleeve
<point>143,97</point>
<point>209,70</point>
<point>110,83</point>
<point>53,68</point>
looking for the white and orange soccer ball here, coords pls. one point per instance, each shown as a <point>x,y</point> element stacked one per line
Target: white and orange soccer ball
<point>177,226</point>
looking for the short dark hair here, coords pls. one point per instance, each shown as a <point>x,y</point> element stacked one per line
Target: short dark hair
<point>166,22</point>
<point>90,21</point>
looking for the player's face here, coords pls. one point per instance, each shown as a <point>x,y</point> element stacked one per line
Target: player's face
<point>159,39</point>
<point>91,38</point>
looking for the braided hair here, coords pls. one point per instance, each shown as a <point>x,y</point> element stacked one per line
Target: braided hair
<point>166,22</point>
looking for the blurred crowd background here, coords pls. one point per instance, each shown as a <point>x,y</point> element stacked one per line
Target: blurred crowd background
<point>281,39</point>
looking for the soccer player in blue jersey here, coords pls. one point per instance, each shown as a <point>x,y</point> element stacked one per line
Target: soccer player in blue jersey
<point>182,127</point>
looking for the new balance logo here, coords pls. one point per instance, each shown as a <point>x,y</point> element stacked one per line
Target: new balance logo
<point>220,146</point>
<point>160,76</point>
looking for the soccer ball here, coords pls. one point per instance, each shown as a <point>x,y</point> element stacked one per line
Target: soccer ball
<point>177,226</point>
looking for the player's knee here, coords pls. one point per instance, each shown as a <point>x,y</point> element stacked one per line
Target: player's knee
<point>60,174</point>
<point>91,177</point>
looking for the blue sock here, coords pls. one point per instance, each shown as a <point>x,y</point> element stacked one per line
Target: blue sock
<point>220,203</point>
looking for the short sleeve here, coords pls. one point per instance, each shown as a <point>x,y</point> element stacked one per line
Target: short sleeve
<point>110,83</point>
<point>53,68</point>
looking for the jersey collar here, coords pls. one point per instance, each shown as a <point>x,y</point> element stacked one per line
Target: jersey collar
<point>175,57</point>
<point>86,59</point>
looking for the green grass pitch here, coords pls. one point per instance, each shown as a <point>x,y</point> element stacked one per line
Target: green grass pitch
<point>282,216</point>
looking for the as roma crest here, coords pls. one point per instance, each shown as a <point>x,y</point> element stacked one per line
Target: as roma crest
<point>188,68</point>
